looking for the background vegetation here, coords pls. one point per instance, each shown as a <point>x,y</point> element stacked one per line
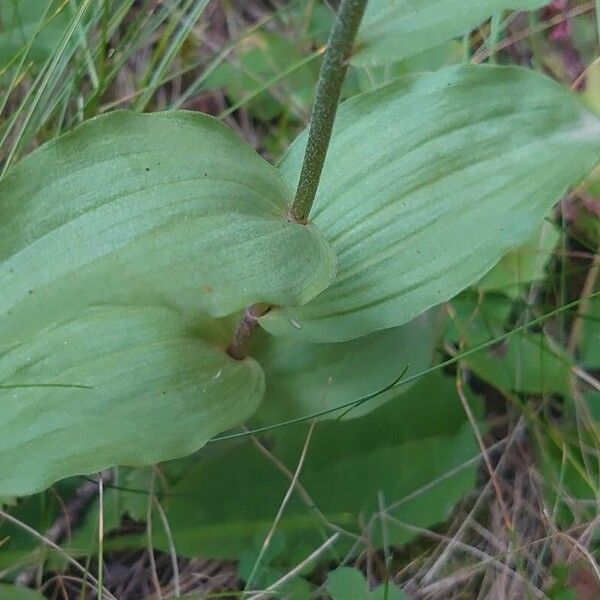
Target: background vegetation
<point>479,478</point>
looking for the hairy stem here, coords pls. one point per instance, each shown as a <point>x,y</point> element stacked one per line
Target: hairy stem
<point>331,78</point>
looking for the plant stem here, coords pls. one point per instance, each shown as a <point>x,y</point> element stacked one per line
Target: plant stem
<point>247,324</point>
<point>331,78</point>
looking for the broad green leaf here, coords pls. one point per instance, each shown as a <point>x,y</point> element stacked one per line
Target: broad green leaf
<point>525,363</point>
<point>395,29</point>
<point>154,390</point>
<point>304,378</point>
<point>222,503</point>
<point>168,208</point>
<point>428,182</point>
<point>347,583</point>
<point>13,592</point>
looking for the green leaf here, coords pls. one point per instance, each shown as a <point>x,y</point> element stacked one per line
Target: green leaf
<point>154,389</point>
<point>18,548</point>
<point>347,583</point>
<point>13,592</point>
<point>84,541</point>
<point>168,208</point>
<point>523,265</point>
<point>525,362</point>
<point>396,29</point>
<point>304,378</point>
<point>22,19</point>
<point>570,480</point>
<point>39,511</point>
<point>270,568</point>
<point>223,502</point>
<point>477,319</point>
<point>428,182</point>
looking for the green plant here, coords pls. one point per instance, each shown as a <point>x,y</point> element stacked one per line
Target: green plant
<point>31,30</point>
<point>349,584</point>
<point>168,293</point>
<point>10,592</point>
<point>148,234</point>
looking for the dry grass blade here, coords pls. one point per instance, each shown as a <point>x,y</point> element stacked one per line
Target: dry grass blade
<point>47,542</point>
<point>267,541</point>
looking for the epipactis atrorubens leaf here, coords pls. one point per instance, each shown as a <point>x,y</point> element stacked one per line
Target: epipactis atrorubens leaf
<point>428,182</point>
<point>113,239</point>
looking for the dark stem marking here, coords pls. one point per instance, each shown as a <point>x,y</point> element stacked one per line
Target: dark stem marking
<point>247,324</point>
